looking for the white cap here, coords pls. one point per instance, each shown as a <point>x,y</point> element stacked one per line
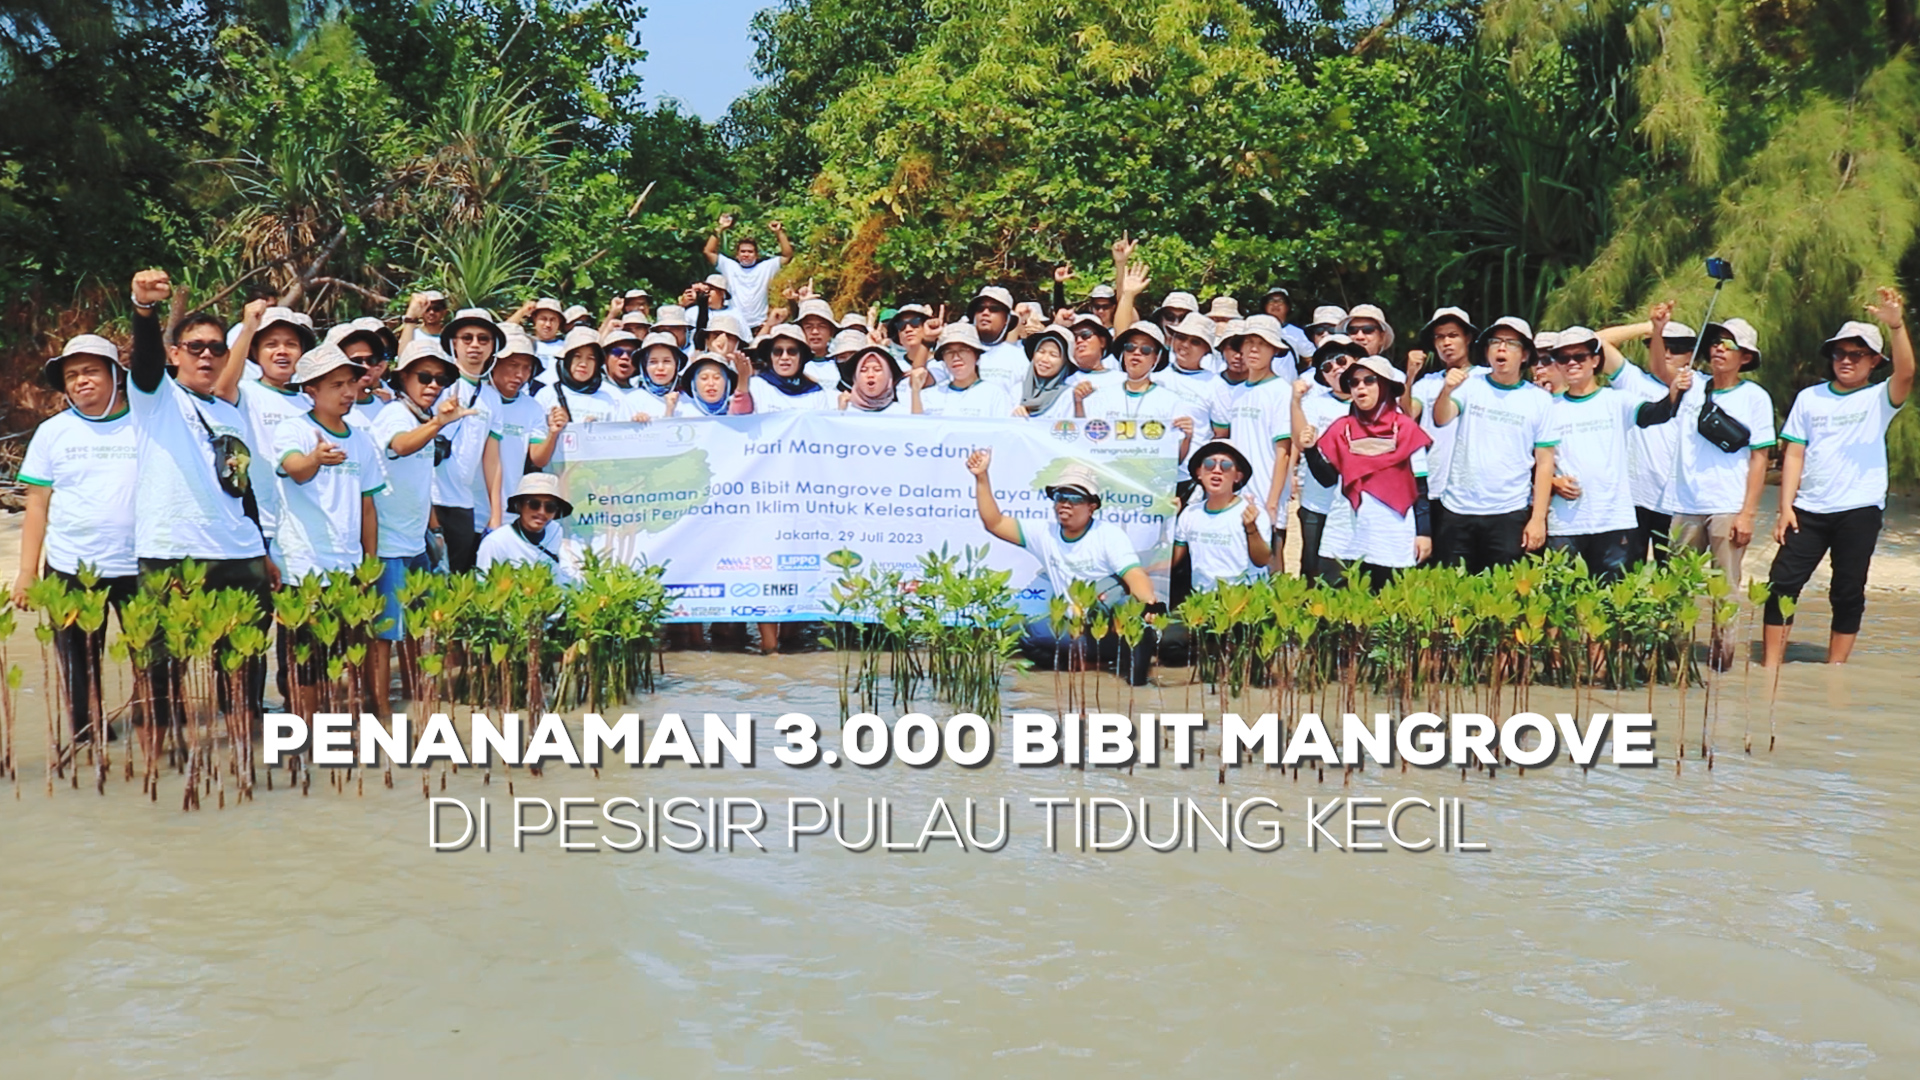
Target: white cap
<point>1865,333</point>
<point>1328,315</point>
<point>959,333</point>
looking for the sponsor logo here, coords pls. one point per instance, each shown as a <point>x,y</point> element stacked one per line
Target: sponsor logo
<point>751,612</point>
<point>1125,429</point>
<point>1064,430</point>
<point>1152,429</point>
<point>743,564</point>
<point>1037,592</point>
<point>780,588</point>
<point>1096,430</point>
<point>799,562</point>
<point>744,588</point>
<point>683,433</point>
<point>701,591</point>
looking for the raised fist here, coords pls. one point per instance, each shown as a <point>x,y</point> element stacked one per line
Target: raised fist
<point>151,287</point>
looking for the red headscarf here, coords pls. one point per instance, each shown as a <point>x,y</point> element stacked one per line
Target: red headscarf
<point>1386,476</point>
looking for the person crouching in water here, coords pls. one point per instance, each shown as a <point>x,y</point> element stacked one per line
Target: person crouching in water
<point>533,536</point>
<point>1074,548</point>
<point>1378,456</point>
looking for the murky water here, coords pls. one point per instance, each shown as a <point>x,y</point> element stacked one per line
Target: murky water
<point>1758,920</point>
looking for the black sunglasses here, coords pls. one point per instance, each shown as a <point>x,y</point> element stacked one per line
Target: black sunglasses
<point>435,378</point>
<point>1220,462</point>
<point>1679,344</point>
<point>1364,380</point>
<point>1084,333</point>
<point>1072,498</point>
<point>1363,328</point>
<point>1146,347</point>
<point>911,320</point>
<point>205,347</point>
<point>619,350</point>
<point>551,506</point>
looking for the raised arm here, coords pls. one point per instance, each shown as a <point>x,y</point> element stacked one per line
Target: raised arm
<point>1891,310</point>
<point>226,386</point>
<point>712,250</point>
<point>991,518</point>
<point>1612,337</point>
<point>1444,407</point>
<point>780,234</point>
<point>541,453</point>
<point>148,364</point>
<point>1658,362</point>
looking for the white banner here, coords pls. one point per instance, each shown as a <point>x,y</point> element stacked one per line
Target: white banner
<point>756,516</point>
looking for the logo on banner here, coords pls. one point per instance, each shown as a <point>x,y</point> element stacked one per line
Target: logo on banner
<point>1064,430</point>
<point>702,591</point>
<point>745,588</point>
<point>780,588</point>
<point>752,612</point>
<point>1096,430</point>
<point>1125,429</point>
<point>743,564</point>
<point>1152,429</point>
<point>799,562</point>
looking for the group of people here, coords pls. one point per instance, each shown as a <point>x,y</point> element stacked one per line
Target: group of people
<point>269,451</point>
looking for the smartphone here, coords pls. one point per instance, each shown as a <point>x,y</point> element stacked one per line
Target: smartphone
<point>1719,269</point>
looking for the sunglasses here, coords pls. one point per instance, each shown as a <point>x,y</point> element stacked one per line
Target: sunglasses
<point>1072,498</point>
<point>1085,333</point>
<point>1143,347</point>
<point>1679,344</point>
<point>437,305</point>
<point>205,347</point>
<point>476,338</point>
<point>621,351</point>
<point>551,506</point>
<point>1365,380</point>
<point>1219,462</point>
<point>435,378</point>
<point>1363,328</point>
<point>911,320</point>
<point>1335,364</point>
<point>1558,359</point>
<point>1852,356</point>
<point>787,353</point>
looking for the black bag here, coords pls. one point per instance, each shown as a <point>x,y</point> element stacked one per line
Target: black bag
<point>1719,427</point>
<point>231,461</point>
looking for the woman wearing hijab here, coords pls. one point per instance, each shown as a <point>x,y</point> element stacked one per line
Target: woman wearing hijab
<point>1378,456</point>
<point>872,377</point>
<point>580,387</point>
<point>81,471</point>
<point>1043,392</point>
<point>710,387</point>
<point>782,384</point>
<point>661,360</point>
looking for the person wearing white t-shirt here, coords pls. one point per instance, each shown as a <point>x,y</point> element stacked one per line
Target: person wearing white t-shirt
<point>549,328</point>
<point>1716,488</point>
<point>748,274</point>
<point>1324,401</point>
<point>1138,399</point>
<point>526,431</point>
<point>1223,534</point>
<point>1650,450</point>
<point>1046,392</point>
<point>1261,421</point>
<point>782,384</point>
<point>533,537</point>
<point>80,471</point>
<point>472,339</point>
<point>1002,360</point>
<point>580,387</point>
<point>1592,512</point>
<point>1377,455</point>
<point>1833,476</point>
<point>965,393</point>
<point>1444,343</point>
<point>192,501</point>
<point>407,436</point>
<point>1074,547</point>
<point>274,347</point>
<point>1500,476</point>
<point>873,382</point>
<point>1190,343</point>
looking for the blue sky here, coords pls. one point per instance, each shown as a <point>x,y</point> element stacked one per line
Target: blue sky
<point>698,51</point>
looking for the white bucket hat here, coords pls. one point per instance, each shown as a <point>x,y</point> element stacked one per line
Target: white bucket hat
<point>1865,333</point>
<point>1194,324</point>
<point>1458,314</point>
<point>1077,476</point>
<point>1571,336</point>
<point>319,360</point>
<point>1545,342</point>
<point>574,313</point>
<point>726,322</point>
<point>1101,292</point>
<point>1175,301</point>
<point>617,335</point>
<point>579,337</point>
<point>670,315</point>
<point>279,316</point>
<point>636,294</point>
<point>1264,327</point>
<point>847,342</point>
<point>658,338</point>
<point>79,345</point>
<point>539,484</point>
<point>548,303</point>
<point>520,343</point>
<point>813,306</point>
<point>958,333</point>
<point>995,293</point>
<point>635,318</point>
<point>1223,307</point>
<point>473,316</point>
<point>1478,350</point>
<point>1328,315</point>
<point>1380,366</point>
<point>717,281</point>
<point>1743,335</point>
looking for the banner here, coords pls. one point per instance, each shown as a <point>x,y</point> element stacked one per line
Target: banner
<point>756,516</point>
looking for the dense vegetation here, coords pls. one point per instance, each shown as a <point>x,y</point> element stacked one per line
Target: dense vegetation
<point>1558,161</point>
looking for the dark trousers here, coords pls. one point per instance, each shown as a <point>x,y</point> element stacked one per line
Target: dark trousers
<point>1652,531</point>
<point>1132,664</point>
<point>1278,541</point>
<point>1606,554</point>
<point>247,574</point>
<point>1312,524</point>
<point>463,542</point>
<point>1850,535</point>
<point>1479,541</point>
<point>82,655</point>
<point>1334,575</point>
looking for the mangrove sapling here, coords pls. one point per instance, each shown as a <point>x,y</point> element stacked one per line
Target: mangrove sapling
<point>1787,605</point>
<point>1758,591</point>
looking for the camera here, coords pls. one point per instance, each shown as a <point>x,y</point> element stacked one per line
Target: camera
<point>1719,269</point>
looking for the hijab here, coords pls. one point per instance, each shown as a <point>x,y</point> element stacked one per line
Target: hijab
<point>688,393</point>
<point>1386,476</point>
<point>1038,394</point>
<point>874,403</point>
<point>794,385</point>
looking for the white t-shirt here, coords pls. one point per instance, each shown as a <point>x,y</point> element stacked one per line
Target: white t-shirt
<point>1117,404</point>
<point>1321,409</point>
<point>1101,551</point>
<point>265,408</point>
<point>1206,390</point>
<point>1495,434</point>
<point>406,500</point>
<point>984,398</point>
<point>605,403</point>
<point>1709,480</point>
<point>767,398</point>
<point>507,545</point>
<point>1261,417</point>
<point>364,413</point>
<point>549,352</point>
<point>747,286</point>
<point>454,478</point>
<point>1846,440</point>
<point>93,467</point>
<point>1650,450</point>
<point>1425,389</point>
<point>1004,363</point>
<point>320,526</point>
<point>1216,543</point>
<point>519,424</point>
<point>1592,448</point>
<point>179,510</point>
<point>1372,532</point>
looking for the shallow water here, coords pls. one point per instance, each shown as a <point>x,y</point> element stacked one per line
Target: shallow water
<point>1758,920</point>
